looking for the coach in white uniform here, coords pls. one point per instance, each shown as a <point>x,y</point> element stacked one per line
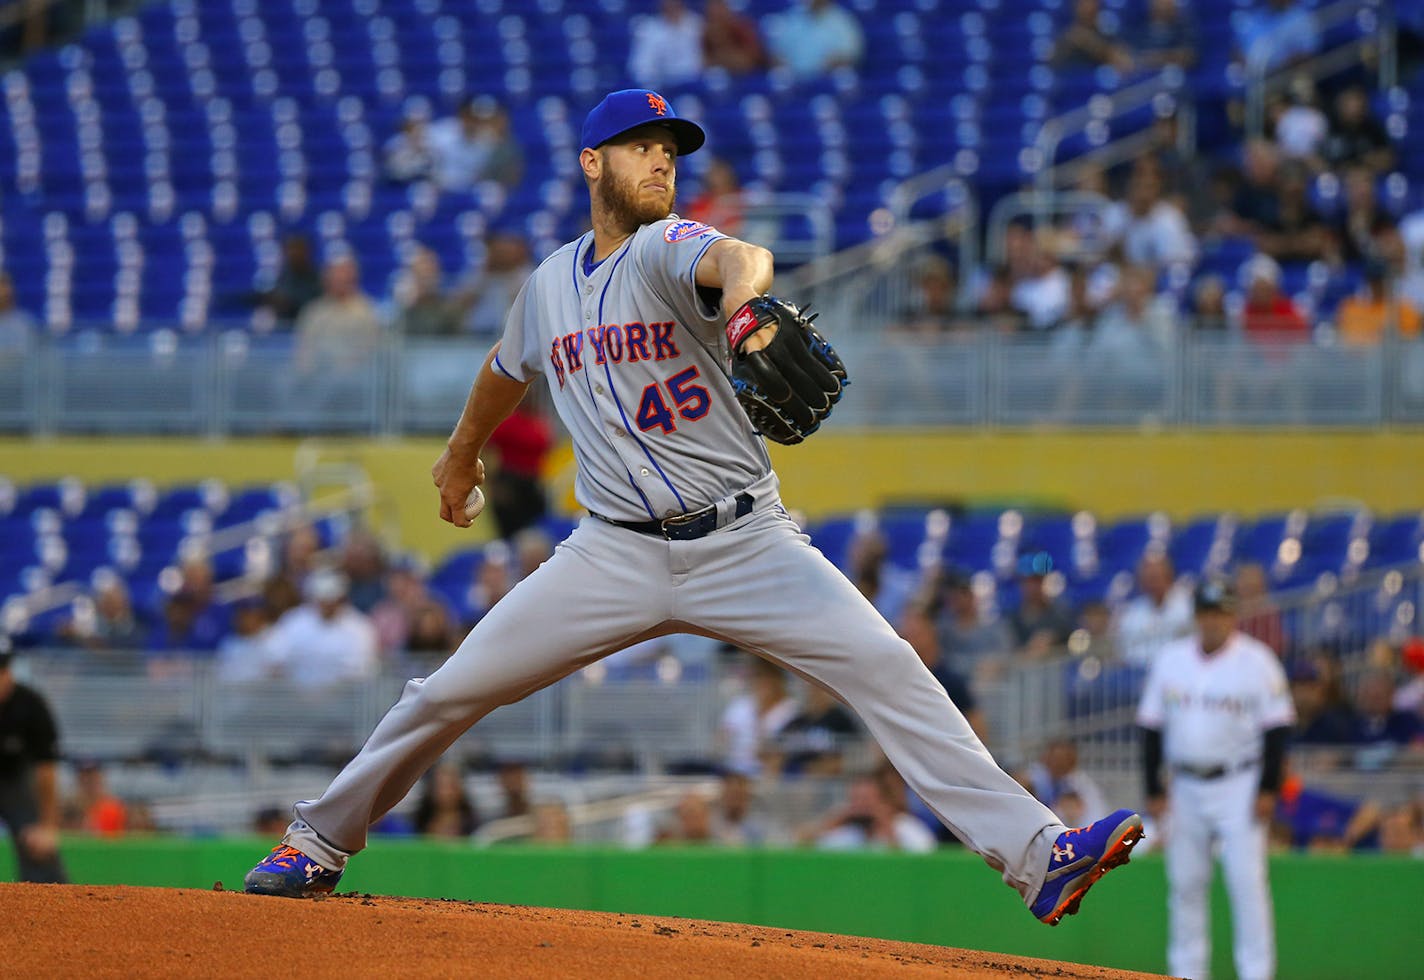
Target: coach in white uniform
<point>1217,709</point>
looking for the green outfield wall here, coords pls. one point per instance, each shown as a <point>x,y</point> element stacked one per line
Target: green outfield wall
<point>1337,917</point>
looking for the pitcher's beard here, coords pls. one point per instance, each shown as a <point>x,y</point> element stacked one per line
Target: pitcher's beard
<point>620,196</point>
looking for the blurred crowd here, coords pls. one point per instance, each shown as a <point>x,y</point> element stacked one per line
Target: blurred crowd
<point>334,618</point>
<point>1304,232</point>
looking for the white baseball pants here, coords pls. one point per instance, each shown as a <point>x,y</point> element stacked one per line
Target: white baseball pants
<point>1207,814</point>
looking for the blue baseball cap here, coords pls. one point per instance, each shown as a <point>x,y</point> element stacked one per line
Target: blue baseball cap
<point>630,108</point>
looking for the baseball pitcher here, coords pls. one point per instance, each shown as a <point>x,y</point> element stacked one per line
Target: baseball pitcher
<point>668,362</point>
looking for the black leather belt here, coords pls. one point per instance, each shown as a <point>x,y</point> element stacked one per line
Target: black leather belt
<point>1212,772</point>
<point>687,527</point>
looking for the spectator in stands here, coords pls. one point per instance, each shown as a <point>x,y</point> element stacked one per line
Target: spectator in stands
<point>242,652</point>
<point>869,819</point>
<point>324,641</point>
<point>1370,315</point>
<point>270,821</point>
<point>1256,615</point>
<point>1410,259</point>
<point>16,326</point>
<point>1313,820</point>
<point>114,625</point>
<point>521,443</point>
<point>1041,285</point>
<point>283,591</point>
<point>1133,336</point>
<point>1209,305</point>
<point>1084,43</point>
<point>1167,37</point>
<point>814,38</point>
<point>475,145</point>
<point>995,308</point>
<point>1294,232</point>
<point>1161,612</point>
<point>719,203</point>
<point>666,48</point>
<point>432,636</point>
<point>1356,137</point>
<point>1401,830</point>
<point>532,547</point>
<point>364,562</point>
<point>1364,230</point>
<point>735,821</point>
<point>421,307</point>
<point>1154,231</point>
<point>1056,774</point>
<point>186,628</point>
<point>933,311</point>
<point>1254,203</point>
<point>491,582</point>
<point>1277,34</point>
<point>485,294</point>
<point>885,584</point>
<point>29,779</point>
<point>552,823</point>
<point>751,722</point>
<point>972,647</point>
<point>1377,721</point>
<point>814,742</point>
<point>1093,636</point>
<point>1410,695</point>
<point>919,630</point>
<point>1080,319</point>
<point>1300,127</point>
<point>1269,314</point>
<point>280,594</point>
<point>337,333</point>
<point>1323,715</point>
<point>1041,623</point>
<point>298,282</point>
<point>407,156</point>
<point>730,41</point>
<point>406,595</point>
<point>513,776</point>
<point>692,821</point>
<point>445,808</point>
<point>94,809</point>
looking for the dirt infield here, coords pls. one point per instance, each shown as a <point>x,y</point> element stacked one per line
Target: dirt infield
<point>94,931</point>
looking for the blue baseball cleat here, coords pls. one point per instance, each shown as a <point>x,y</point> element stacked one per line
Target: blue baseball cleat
<point>1081,856</point>
<point>290,873</point>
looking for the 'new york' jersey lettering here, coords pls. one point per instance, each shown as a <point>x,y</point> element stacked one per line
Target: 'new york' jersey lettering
<point>637,363</point>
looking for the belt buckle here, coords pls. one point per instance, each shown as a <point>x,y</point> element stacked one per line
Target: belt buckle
<point>683,520</point>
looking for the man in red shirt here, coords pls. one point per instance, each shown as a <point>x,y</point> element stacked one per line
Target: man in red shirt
<point>1270,315</point>
<point>516,489</point>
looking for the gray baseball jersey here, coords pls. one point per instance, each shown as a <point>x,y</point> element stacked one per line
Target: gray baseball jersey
<point>636,360</point>
<point>635,356</point>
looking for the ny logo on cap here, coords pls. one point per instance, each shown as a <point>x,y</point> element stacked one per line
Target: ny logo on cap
<point>657,103</point>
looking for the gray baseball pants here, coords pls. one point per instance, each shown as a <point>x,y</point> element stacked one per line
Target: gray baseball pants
<point>756,583</point>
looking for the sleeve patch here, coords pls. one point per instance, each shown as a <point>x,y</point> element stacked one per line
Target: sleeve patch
<point>680,231</point>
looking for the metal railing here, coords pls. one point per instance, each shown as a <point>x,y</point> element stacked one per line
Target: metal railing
<point>960,377</point>
<point>1091,696</point>
<point>123,708</point>
<point>1376,39</point>
<point>1163,94</point>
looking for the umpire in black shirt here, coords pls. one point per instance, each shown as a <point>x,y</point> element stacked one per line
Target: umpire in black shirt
<point>29,781</point>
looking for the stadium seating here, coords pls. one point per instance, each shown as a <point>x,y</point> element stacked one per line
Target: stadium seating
<point>149,167</point>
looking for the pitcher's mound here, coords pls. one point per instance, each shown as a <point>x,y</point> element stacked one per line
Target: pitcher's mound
<point>93,931</point>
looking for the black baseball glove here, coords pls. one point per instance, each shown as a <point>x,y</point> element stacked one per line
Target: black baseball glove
<point>788,387</point>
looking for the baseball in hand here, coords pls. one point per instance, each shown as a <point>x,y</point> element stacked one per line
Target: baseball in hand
<point>474,503</point>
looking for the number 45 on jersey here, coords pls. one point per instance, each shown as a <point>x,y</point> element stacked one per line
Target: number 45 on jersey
<point>692,402</point>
